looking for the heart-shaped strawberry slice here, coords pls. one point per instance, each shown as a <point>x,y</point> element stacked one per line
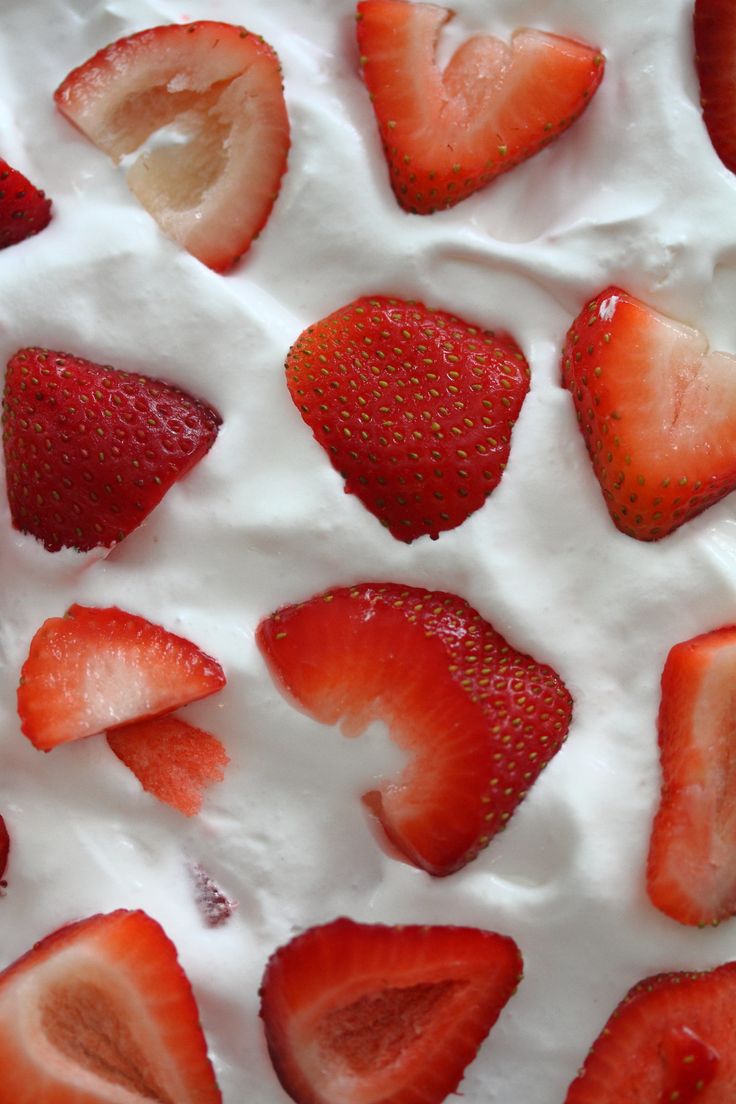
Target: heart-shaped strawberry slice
<point>447,132</point>
<point>415,408</point>
<point>657,411</point>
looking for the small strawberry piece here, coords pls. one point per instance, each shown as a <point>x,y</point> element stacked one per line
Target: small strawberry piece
<point>214,906</point>
<point>657,411</point>
<point>24,210</point>
<point>4,850</point>
<point>171,759</point>
<point>447,134</point>
<point>413,406</point>
<point>96,669</point>
<point>670,1041</point>
<point>479,719</point>
<point>219,88</point>
<point>692,855</point>
<point>101,1012</point>
<point>714,25</point>
<point>89,450</point>
<point>391,1015</point>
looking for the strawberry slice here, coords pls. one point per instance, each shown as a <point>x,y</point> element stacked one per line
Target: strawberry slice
<point>90,450</point>
<point>413,406</point>
<point>101,1012</point>
<point>447,134</point>
<point>714,25</point>
<point>657,411</point>
<point>670,1041</point>
<point>4,850</point>
<point>219,89</point>
<point>171,759</point>
<point>24,210</point>
<point>362,1012</point>
<point>692,855</point>
<point>95,669</point>
<point>479,719</point>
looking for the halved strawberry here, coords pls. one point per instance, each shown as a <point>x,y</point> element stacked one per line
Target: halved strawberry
<point>692,854</point>
<point>220,88</point>
<point>447,134</point>
<point>670,1041</point>
<point>171,759</point>
<point>391,1015</point>
<point>101,1012</point>
<point>90,450</point>
<point>24,210</point>
<point>414,407</point>
<point>714,25</point>
<point>4,849</point>
<point>657,411</point>
<point>95,669</point>
<point>479,719</point>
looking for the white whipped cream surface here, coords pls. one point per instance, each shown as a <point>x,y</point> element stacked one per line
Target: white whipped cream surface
<point>632,194</point>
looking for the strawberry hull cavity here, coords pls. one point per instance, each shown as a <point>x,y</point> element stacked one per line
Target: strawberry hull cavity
<point>221,86</point>
<point>478,719</point>
<point>101,1012</point>
<point>90,450</point>
<point>97,669</point>
<point>414,407</point>
<point>657,411</point>
<point>392,1015</point>
<point>448,133</point>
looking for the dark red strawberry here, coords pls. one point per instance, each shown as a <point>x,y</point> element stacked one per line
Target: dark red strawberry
<point>171,759</point>
<point>657,411</point>
<point>90,450</point>
<point>214,906</point>
<point>692,854</point>
<point>214,191</point>
<point>96,669</point>
<point>101,1011</point>
<point>362,1012</point>
<point>414,407</point>
<point>448,133</point>
<point>24,210</point>
<point>478,719</point>
<point>670,1041</point>
<point>714,25</point>
<point>4,851</point>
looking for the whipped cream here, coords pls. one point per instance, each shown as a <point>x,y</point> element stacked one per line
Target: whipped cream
<point>632,194</point>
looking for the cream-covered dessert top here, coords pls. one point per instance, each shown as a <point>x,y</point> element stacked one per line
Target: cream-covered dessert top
<point>632,194</point>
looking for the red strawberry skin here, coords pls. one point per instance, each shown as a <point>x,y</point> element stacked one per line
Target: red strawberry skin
<point>100,1006</point>
<point>478,719</point>
<point>94,669</point>
<point>171,759</point>
<point>358,1012</point>
<point>657,412</point>
<point>691,874</point>
<point>670,1041</point>
<point>447,134</point>
<point>4,849</point>
<point>213,192</point>
<point>90,450</point>
<point>414,407</point>
<point>24,210</point>
<point>714,26</point>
